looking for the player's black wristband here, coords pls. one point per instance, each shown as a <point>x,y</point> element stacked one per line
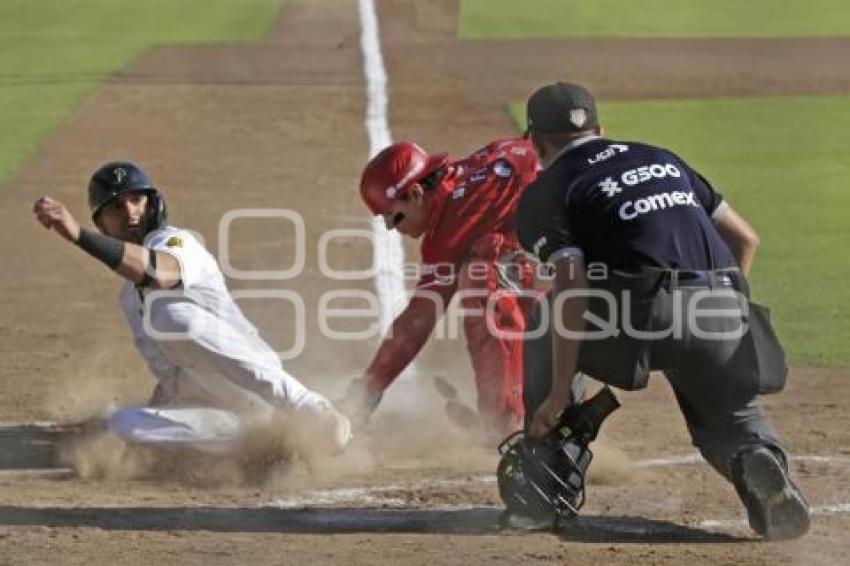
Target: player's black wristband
<point>108,250</point>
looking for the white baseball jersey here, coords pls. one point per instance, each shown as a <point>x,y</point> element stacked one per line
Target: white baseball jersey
<point>203,348</point>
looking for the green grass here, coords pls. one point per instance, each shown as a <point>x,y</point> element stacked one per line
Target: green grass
<point>55,52</point>
<point>782,163</point>
<point>514,19</point>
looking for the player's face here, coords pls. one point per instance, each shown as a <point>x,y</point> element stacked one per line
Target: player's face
<point>409,215</point>
<point>124,217</point>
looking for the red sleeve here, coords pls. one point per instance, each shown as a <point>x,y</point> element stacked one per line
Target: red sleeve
<point>409,333</point>
<point>520,152</point>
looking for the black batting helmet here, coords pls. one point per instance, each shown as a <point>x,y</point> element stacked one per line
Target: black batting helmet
<point>117,177</point>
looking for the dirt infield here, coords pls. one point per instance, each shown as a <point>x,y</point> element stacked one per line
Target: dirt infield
<point>280,125</point>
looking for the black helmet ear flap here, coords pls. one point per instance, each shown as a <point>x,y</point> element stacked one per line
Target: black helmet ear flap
<point>158,210</point>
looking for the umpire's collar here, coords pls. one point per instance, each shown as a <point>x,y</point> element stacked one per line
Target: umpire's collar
<point>571,146</point>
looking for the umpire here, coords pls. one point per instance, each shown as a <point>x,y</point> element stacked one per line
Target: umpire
<point>650,267</point>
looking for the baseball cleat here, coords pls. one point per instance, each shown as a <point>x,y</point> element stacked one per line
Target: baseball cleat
<point>776,508</point>
<point>445,388</point>
<point>462,416</point>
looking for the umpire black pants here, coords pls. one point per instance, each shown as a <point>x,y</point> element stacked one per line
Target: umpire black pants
<point>715,368</point>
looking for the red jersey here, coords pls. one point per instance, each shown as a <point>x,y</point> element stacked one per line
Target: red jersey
<point>475,203</point>
<point>478,196</point>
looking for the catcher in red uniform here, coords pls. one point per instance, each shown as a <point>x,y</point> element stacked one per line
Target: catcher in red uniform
<point>465,213</point>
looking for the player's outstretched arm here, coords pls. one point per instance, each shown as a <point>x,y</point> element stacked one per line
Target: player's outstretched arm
<point>406,337</point>
<point>133,262</point>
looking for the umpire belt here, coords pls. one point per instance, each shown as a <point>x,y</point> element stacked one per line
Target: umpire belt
<point>649,280</point>
<point>713,279</point>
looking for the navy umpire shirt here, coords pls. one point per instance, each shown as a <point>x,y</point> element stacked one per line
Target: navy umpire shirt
<point>625,204</point>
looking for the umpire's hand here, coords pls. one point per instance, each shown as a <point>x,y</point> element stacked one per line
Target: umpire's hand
<point>546,417</point>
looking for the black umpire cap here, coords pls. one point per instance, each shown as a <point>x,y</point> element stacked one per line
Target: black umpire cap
<point>561,108</point>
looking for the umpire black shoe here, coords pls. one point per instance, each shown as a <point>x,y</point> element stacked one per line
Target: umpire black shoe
<point>776,508</point>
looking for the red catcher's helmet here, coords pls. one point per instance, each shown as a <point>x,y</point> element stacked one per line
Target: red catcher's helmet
<point>390,174</point>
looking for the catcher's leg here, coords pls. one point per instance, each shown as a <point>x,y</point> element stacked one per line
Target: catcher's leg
<point>496,356</point>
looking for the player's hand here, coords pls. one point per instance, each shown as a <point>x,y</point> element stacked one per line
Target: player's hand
<point>547,416</point>
<point>359,402</point>
<point>52,214</point>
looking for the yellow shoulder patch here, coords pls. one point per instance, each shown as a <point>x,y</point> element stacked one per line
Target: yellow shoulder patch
<point>174,242</point>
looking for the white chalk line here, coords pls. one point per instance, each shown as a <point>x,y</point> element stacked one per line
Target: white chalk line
<point>359,495</point>
<point>815,510</point>
<point>376,494</point>
<point>689,459</point>
<point>37,473</point>
<point>388,250</point>
<point>46,425</point>
<point>683,460</point>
